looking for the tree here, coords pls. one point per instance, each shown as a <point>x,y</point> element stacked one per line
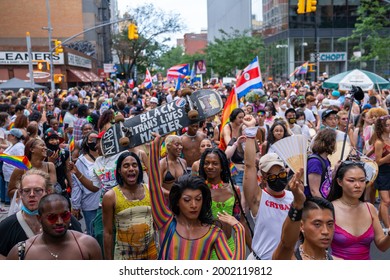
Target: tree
<point>152,24</point>
<point>372,30</point>
<point>232,52</point>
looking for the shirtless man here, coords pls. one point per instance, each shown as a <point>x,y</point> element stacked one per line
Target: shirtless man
<point>24,224</point>
<point>191,142</point>
<point>56,242</point>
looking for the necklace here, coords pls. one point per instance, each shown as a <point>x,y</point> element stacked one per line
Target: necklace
<point>349,204</point>
<point>304,254</point>
<point>55,256</point>
<point>192,137</point>
<point>220,185</point>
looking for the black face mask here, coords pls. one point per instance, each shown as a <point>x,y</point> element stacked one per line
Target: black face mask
<point>278,185</point>
<point>92,146</point>
<point>53,147</point>
<point>292,120</point>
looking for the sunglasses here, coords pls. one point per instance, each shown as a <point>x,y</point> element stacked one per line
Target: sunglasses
<point>273,177</point>
<point>53,218</point>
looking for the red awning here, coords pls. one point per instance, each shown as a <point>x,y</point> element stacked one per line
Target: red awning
<point>77,76</point>
<point>4,75</point>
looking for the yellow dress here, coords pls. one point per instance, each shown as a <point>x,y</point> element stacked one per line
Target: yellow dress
<point>134,228</point>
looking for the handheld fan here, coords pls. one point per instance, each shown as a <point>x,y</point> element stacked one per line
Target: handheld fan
<point>293,151</point>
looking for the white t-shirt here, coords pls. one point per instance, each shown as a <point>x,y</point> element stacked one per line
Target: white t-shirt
<point>69,119</point>
<point>14,150</point>
<point>268,223</point>
<point>309,115</point>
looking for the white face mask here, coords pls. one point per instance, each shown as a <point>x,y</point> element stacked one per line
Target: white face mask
<point>300,122</point>
<point>267,114</point>
<point>283,106</point>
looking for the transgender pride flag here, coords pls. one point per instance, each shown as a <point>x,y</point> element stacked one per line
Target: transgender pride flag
<point>249,79</point>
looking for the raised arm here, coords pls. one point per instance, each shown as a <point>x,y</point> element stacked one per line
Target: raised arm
<point>161,213</point>
<point>290,230</point>
<point>252,191</point>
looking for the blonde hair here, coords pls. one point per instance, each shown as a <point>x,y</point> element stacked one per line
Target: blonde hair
<point>34,171</point>
<point>171,138</point>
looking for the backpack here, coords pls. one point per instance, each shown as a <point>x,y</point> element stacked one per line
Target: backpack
<point>324,171</point>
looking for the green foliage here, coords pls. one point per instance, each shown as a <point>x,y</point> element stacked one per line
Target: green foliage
<point>372,29</point>
<point>232,52</point>
<point>152,24</point>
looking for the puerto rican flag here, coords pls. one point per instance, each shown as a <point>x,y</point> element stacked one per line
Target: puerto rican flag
<point>147,83</point>
<point>179,71</point>
<point>249,79</point>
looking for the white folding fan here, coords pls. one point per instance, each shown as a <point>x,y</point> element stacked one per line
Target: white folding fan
<point>293,151</point>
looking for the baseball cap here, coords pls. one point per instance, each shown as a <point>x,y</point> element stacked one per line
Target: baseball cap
<point>328,112</point>
<point>336,93</point>
<point>15,132</point>
<point>154,100</point>
<point>51,133</point>
<point>73,105</point>
<point>269,160</point>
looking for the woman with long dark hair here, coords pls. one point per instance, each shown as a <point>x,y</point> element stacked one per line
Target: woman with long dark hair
<point>186,230</point>
<point>214,168</point>
<point>357,224</point>
<point>231,129</point>
<point>382,158</point>
<point>277,131</point>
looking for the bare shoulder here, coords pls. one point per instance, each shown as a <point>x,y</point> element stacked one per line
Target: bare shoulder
<point>337,258</point>
<point>88,245</point>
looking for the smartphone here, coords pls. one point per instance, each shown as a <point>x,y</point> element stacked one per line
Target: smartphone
<point>49,153</point>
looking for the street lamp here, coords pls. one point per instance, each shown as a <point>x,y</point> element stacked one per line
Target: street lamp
<point>304,44</point>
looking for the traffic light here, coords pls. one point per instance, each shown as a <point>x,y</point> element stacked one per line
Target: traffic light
<point>58,78</point>
<point>301,6</point>
<point>311,6</point>
<point>58,47</point>
<point>132,31</point>
<point>42,65</point>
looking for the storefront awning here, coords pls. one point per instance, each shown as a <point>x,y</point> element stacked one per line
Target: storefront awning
<point>77,76</point>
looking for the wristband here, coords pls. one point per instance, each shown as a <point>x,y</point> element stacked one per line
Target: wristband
<point>80,177</point>
<point>250,132</point>
<point>295,214</point>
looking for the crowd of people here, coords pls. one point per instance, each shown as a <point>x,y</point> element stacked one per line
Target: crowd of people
<point>212,192</point>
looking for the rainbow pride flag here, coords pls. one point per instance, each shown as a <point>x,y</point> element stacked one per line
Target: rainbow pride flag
<point>71,144</point>
<point>230,105</point>
<point>61,120</point>
<point>11,125</point>
<point>20,162</point>
<point>233,169</point>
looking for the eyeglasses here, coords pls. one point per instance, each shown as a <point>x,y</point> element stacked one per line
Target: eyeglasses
<point>273,177</point>
<point>36,191</point>
<point>53,218</point>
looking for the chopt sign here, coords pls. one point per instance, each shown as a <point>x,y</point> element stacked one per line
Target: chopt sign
<point>163,120</point>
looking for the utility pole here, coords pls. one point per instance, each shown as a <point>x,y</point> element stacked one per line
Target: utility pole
<point>50,30</point>
<point>30,58</point>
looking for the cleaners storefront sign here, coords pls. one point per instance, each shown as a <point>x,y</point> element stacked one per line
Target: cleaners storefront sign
<point>22,58</point>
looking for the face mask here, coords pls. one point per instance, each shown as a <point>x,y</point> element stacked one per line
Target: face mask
<point>278,185</point>
<point>92,146</point>
<point>283,106</point>
<point>300,122</point>
<point>52,147</point>
<point>267,114</point>
<point>292,120</point>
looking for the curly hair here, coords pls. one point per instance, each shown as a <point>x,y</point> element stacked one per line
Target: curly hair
<point>380,126</point>
<point>192,183</point>
<point>225,172</point>
<point>324,142</point>
<point>378,112</point>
